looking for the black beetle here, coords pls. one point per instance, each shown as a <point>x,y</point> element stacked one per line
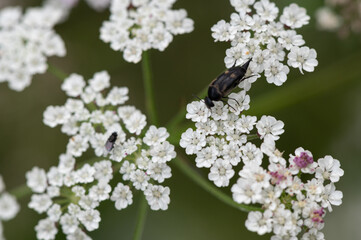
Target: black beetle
<point>109,145</point>
<point>225,83</point>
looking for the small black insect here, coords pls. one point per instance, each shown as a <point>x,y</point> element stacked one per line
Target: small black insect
<point>109,145</point>
<point>225,83</point>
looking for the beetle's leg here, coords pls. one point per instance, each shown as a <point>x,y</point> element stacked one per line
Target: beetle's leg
<point>229,104</point>
<point>254,75</point>
<point>233,99</point>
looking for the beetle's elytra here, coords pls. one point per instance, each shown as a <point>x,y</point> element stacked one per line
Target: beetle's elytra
<point>225,83</point>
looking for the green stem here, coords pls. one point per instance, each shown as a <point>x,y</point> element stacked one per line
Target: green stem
<point>21,191</point>
<point>57,72</point>
<point>148,88</point>
<point>181,163</point>
<point>142,213</point>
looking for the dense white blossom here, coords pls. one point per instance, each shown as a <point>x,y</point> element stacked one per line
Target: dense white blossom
<point>89,117</point>
<point>221,141</point>
<point>137,26</point>
<point>255,33</point>
<point>26,40</point>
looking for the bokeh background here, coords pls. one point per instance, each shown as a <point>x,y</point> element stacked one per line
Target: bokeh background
<point>321,112</point>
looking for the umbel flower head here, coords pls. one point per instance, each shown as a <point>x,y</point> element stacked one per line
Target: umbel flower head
<point>70,193</point>
<point>222,142</point>
<point>9,207</point>
<point>26,40</point>
<point>136,26</point>
<point>254,32</point>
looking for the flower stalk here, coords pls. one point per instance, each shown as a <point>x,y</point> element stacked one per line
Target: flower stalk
<point>142,213</point>
<point>182,164</point>
<point>148,88</point>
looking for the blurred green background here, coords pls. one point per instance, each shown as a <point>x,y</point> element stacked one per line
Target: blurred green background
<point>322,114</point>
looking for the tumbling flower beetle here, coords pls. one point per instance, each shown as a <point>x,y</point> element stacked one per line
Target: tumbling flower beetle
<point>109,145</point>
<point>225,83</point>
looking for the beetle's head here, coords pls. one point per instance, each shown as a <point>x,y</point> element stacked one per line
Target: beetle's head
<point>209,103</point>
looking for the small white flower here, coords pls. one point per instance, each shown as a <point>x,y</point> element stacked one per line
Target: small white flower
<point>192,141</point>
<point>206,157</point>
<point>54,212</point>
<point>313,234</point>
<point>260,222</point>
<point>103,171</point>
<point>85,174</point>
<point>55,177</point>
<point>69,223</point>
<point>221,31</point>
<point>77,145</point>
<point>36,180</point>
<point>100,192</point>
<point>294,16</point>
<point>8,207</point>
<point>221,172</point>
<point>268,147</point>
<point>90,219</point>
<point>46,229</point>
<point>157,197</point>
<point>126,169</point>
<point>135,123</point>
<point>87,202</point>
<point>269,126</point>
<point>250,153</point>
<point>162,152</point>
<point>197,111</point>
<point>246,123</point>
<point>290,38</point>
<point>40,202</point>
<point>302,58</point>
<point>100,81</point>
<point>314,189</point>
<point>117,95</point>
<point>140,179</point>
<point>73,85</point>
<point>159,171</point>
<point>244,191</point>
<point>275,72</point>
<point>122,196</point>
<point>155,135</point>
<point>55,115</point>
<point>329,169</point>
<point>331,197</point>
<point>266,9</point>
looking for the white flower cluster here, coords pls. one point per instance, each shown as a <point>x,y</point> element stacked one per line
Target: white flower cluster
<point>343,16</point>
<point>67,5</point>
<point>26,40</point>
<point>139,25</point>
<point>9,207</point>
<point>70,194</point>
<point>254,33</point>
<point>292,206</point>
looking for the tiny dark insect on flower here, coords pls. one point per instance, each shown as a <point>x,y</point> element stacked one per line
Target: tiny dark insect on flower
<point>225,83</point>
<point>109,145</point>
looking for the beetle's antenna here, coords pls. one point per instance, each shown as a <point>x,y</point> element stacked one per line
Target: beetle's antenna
<point>195,96</point>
